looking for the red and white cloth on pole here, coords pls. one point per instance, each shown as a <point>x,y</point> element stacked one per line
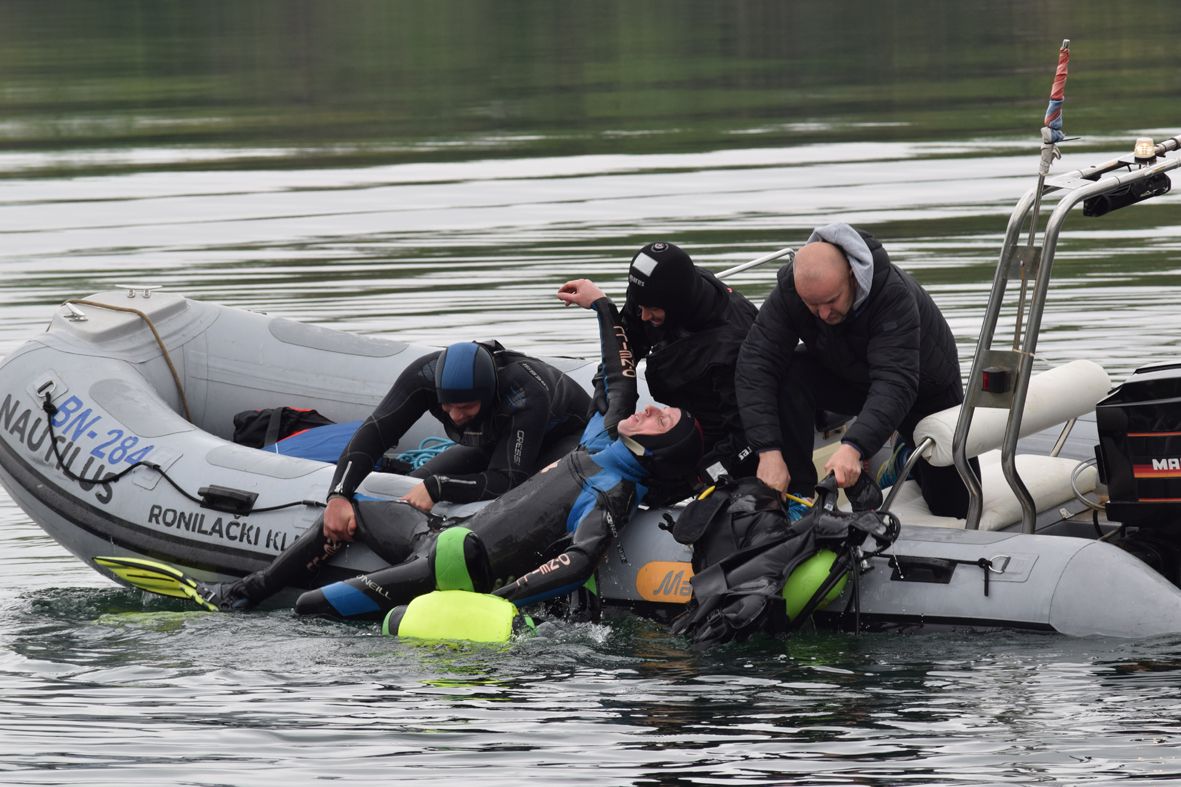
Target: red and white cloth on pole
<point>1053,119</point>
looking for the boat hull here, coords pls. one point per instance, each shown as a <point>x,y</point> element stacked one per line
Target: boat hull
<point>974,579</point>
<point>115,402</point>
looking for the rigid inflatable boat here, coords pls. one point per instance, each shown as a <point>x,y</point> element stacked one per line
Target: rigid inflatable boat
<point>135,460</point>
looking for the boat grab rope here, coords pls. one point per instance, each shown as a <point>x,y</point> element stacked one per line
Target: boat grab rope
<point>184,402</point>
<point>51,410</point>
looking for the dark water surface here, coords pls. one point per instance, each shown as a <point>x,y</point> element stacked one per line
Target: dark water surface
<point>433,172</point>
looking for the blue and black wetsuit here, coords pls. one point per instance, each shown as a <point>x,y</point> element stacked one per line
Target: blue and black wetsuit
<point>551,532</point>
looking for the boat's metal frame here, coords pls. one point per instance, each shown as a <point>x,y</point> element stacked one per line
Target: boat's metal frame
<point>1032,264</point>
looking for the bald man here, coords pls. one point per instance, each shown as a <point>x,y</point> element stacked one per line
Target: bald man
<point>847,331</point>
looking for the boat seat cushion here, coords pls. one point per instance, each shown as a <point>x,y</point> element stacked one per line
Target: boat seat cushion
<point>1054,397</point>
<point>1046,477</point>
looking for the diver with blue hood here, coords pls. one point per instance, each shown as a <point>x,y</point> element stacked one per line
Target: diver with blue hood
<point>545,537</point>
<point>688,327</point>
<point>508,414</point>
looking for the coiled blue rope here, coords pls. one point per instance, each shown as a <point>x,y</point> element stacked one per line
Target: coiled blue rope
<point>428,449</point>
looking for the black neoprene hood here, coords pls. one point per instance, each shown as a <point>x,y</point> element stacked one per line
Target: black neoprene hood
<point>465,372</point>
<point>660,276</point>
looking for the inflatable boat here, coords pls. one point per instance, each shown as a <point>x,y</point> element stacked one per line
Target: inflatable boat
<point>115,426</point>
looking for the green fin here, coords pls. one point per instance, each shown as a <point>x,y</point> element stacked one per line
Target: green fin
<point>154,577</point>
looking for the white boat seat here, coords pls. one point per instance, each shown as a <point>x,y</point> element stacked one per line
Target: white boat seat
<point>1046,477</point>
<point>1054,397</point>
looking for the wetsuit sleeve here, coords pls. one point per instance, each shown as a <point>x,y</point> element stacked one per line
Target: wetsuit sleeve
<point>729,447</point>
<point>617,372</point>
<point>567,572</point>
<point>514,457</point>
<point>893,356</point>
<point>633,326</point>
<point>411,395</point>
<point>762,361</point>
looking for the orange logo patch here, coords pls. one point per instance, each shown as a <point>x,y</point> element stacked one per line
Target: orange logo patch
<point>666,581</point>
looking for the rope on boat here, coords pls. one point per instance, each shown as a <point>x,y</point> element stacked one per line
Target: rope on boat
<point>428,449</point>
<point>184,402</point>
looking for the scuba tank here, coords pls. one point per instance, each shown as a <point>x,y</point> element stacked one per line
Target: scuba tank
<point>755,571</point>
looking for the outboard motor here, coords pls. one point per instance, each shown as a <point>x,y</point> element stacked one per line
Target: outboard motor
<point>1139,459</point>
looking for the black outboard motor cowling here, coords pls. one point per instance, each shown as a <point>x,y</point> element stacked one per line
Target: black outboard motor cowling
<point>1139,449</point>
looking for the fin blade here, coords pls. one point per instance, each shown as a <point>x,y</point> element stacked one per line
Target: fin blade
<point>154,577</point>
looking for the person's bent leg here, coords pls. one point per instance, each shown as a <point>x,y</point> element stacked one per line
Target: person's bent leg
<point>456,561</point>
<point>797,433</point>
<point>370,596</point>
<point>808,387</point>
<point>392,529</point>
<point>943,489</point>
<point>295,565</point>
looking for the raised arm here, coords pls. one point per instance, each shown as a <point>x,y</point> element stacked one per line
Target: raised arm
<point>617,370</point>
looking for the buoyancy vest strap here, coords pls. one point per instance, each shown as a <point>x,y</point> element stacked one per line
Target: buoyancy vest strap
<point>274,423</point>
<point>451,568</point>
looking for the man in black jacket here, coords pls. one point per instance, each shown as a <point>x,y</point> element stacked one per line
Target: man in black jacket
<point>847,331</point>
<point>689,326</point>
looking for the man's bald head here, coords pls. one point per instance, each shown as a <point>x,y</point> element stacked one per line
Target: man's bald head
<point>824,281</point>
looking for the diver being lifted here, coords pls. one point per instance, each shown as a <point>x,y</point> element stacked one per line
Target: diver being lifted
<point>549,532</point>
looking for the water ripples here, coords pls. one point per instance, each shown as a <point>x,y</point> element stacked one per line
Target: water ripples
<point>105,686</point>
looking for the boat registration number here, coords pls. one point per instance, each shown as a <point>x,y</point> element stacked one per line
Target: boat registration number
<point>75,421</point>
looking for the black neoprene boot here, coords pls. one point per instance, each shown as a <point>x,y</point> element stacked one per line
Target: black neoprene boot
<point>294,566</point>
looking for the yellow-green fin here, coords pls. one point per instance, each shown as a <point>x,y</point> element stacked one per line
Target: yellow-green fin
<point>154,577</point>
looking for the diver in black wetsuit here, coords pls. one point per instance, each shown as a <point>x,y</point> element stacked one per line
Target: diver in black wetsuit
<point>689,326</point>
<point>566,515</point>
<point>509,414</point>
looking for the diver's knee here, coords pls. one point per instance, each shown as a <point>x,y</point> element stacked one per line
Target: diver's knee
<point>460,562</point>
